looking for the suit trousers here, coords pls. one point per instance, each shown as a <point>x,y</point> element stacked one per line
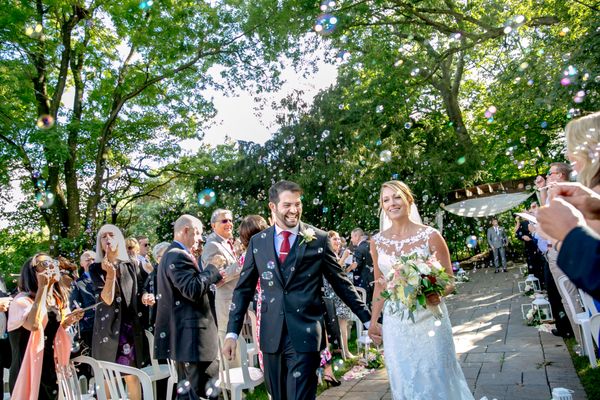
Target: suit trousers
<point>502,252</point>
<point>196,373</point>
<point>291,375</point>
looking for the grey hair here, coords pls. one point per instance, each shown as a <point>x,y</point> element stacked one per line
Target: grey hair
<point>159,248</point>
<point>119,238</point>
<point>215,215</point>
<point>359,231</point>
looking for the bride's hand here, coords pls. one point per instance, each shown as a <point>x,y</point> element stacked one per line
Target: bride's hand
<point>433,299</point>
<point>375,333</point>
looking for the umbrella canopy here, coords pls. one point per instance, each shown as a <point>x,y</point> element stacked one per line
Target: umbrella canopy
<point>489,205</point>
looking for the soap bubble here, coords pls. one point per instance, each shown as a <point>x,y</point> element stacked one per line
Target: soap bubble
<point>325,24</point>
<point>267,275</point>
<point>472,241</point>
<point>207,197</point>
<point>385,156</point>
<point>45,121</point>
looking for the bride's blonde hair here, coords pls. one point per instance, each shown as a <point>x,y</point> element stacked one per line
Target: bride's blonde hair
<point>400,188</point>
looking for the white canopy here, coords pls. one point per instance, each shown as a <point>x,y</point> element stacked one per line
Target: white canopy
<point>489,205</point>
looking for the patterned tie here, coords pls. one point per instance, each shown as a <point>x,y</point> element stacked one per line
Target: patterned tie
<point>230,242</point>
<point>285,246</point>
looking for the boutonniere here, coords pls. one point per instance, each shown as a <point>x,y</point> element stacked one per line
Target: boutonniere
<point>308,235</point>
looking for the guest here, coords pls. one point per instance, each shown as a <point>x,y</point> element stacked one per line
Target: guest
<point>185,326</point>
<point>363,274</point>
<point>583,150</point>
<point>250,226</point>
<point>497,240</point>
<point>145,249</point>
<point>577,243</point>
<point>5,356</point>
<point>142,268</point>
<point>343,312</point>
<point>118,335</point>
<point>532,253</point>
<point>37,320</point>
<point>82,296</point>
<point>149,292</point>
<point>566,327</point>
<point>220,246</point>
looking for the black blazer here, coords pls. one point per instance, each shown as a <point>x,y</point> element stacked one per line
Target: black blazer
<point>579,258</point>
<point>185,326</point>
<point>297,303</point>
<point>83,293</point>
<point>108,318</point>
<point>364,263</point>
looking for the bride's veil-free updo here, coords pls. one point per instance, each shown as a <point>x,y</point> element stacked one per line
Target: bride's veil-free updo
<point>404,190</point>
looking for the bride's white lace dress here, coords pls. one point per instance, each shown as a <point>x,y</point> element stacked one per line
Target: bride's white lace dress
<point>420,357</point>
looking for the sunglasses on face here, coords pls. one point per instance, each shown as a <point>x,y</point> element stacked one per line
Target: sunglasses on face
<point>551,173</point>
<point>226,220</point>
<point>45,264</point>
<point>146,245</point>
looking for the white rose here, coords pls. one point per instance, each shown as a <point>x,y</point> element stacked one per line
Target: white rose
<point>424,268</point>
<point>436,266</point>
<point>310,232</point>
<point>413,277</point>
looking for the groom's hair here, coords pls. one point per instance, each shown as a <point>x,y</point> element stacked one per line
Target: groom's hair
<point>282,186</point>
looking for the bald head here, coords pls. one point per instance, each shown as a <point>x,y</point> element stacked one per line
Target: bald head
<point>185,220</point>
<point>188,231</point>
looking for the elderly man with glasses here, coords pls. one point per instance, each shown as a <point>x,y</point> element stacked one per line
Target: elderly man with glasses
<point>559,173</point>
<point>219,250</point>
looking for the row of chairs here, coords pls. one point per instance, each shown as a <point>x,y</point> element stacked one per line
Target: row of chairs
<point>235,380</point>
<point>109,376</point>
<point>587,321</point>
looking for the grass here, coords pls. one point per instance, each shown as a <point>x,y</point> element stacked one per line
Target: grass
<point>260,393</point>
<point>589,377</point>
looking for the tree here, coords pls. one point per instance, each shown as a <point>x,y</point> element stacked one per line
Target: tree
<point>114,88</point>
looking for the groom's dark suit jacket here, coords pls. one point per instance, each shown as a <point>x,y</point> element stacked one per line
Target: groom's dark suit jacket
<point>295,302</point>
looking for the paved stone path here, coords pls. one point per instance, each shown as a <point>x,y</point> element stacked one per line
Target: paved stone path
<point>502,358</point>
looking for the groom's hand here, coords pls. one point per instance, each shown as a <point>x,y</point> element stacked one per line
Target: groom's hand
<point>375,333</point>
<point>229,349</point>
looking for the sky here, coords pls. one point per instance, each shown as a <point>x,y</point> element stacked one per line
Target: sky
<point>236,117</point>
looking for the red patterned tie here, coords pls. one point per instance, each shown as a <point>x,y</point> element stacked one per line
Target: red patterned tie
<point>285,246</point>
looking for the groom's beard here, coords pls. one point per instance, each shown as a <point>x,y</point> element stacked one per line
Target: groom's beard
<point>288,220</point>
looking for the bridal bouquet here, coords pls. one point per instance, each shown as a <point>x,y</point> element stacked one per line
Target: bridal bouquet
<point>409,282</point>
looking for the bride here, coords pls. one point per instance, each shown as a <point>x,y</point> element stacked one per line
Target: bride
<point>419,356</point>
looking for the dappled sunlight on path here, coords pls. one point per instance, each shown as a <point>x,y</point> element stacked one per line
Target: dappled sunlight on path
<point>502,358</point>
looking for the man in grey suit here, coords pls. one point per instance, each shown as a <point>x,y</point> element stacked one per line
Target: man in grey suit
<point>496,237</point>
<point>219,251</point>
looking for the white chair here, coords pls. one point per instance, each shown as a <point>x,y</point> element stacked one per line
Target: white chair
<point>172,381</point>
<point>593,311</point>
<point>253,344</point>
<point>70,387</point>
<point>588,303</point>
<point>113,376</point>
<point>363,341</point>
<point>237,379</point>
<point>97,382</point>
<point>155,371</point>
<point>582,319</point>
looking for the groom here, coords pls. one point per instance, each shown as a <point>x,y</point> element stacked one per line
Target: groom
<point>290,259</point>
